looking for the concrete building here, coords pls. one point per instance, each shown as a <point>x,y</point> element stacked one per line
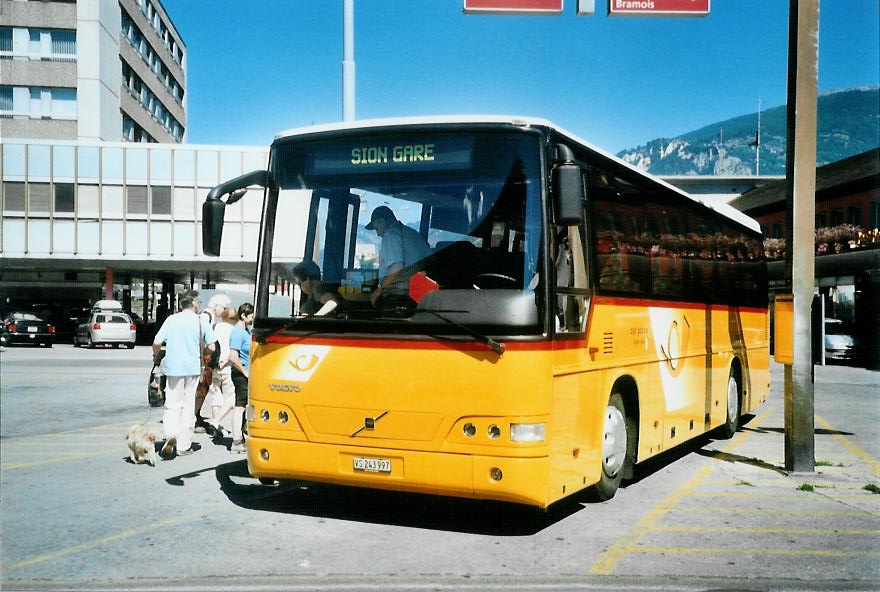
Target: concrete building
<point>847,227</point>
<point>82,221</point>
<point>100,70</point>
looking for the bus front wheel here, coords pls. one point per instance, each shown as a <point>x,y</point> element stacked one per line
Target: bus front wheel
<point>734,406</point>
<point>618,448</point>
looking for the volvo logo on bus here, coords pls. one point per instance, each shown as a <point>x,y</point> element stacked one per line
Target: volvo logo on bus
<point>287,388</point>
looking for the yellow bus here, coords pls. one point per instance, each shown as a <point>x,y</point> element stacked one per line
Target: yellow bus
<point>567,316</point>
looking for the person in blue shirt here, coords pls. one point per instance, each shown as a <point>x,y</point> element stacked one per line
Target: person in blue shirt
<point>184,335</point>
<point>240,361</point>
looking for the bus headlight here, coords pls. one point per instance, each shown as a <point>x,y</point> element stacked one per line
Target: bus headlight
<point>264,414</point>
<point>527,432</point>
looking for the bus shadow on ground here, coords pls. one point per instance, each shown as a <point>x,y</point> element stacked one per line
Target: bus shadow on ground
<point>816,431</point>
<point>392,508</point>
<point>695,446</point>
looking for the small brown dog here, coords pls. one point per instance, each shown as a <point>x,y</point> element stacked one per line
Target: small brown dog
<point>142,445</point>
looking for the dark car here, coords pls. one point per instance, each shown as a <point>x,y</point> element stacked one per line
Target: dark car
<point>26,328</point>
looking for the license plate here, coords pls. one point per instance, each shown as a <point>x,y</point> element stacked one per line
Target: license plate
<point>372,465</point>
<point>32,329</point>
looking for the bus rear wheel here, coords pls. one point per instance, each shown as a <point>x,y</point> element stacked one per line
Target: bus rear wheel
<point>734,405</point>
<point>618,448</point>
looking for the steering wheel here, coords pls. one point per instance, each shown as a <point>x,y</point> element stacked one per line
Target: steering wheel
<point>493,280</point>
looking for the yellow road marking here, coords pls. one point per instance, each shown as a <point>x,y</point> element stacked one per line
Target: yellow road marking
<point>107,539</point>
<point>608,561</point>
<point>820,531</point>
<point>795,494</point>
<point>723,551</point>
<point>853,449</point>
<point>51,461</point>
<point>711,510</point>
<point>781,484</point>
<point>627,543</point>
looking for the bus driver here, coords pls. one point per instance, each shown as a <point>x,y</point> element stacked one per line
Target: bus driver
<point>401,250</point>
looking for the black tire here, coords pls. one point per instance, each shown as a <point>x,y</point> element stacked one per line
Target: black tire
<point>733,404</point>
<point>267,481</point>
<point>130,346</point>
<point>89,343</point>
<point>618,457</point>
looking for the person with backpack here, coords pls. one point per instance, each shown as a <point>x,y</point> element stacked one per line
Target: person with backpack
<point>183,335</point>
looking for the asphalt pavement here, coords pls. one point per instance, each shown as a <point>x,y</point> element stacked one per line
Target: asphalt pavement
<point>709,515</point>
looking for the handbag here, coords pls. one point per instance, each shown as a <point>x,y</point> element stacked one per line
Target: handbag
<point>156,387</point>
<point>206,376</point>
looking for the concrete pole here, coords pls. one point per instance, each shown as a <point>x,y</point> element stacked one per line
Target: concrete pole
<point>800,205</point>
<point>348,60</point>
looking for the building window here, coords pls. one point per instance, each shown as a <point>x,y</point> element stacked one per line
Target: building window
<point>136,199</point>
<point>854,215</point>
<point>161,200</point>
<point>777,230</point>
<point>875,215</point>
<point>64,197</point>
<point>821,220</point>
<point>5,99</point>
<point>38,197</point>
<point>38,102</point>
<point>5,40</point>
<point>38,44</point>
<point>14,196</point>
<point>132,132</point>
<point>836,217</point>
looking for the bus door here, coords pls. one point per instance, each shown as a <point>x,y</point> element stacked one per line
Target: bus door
<point>331,233</point>
<point>577,409</point>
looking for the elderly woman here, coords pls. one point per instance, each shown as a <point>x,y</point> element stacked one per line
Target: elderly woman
<point>320,300</point>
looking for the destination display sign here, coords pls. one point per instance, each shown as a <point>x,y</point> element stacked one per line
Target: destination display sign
<point>658,7</point>
<point>390,154</point>
<point>513,6</point>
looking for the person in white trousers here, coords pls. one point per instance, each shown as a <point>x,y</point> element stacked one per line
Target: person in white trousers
<point>183,335</point>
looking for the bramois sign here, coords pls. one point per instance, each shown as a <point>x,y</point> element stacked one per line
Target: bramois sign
<point>658,7</point>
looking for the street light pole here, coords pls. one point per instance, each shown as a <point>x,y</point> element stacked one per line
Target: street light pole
<point>800,206</point>
<point>348,60</point>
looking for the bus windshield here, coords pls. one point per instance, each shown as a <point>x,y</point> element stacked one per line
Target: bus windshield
<point>426,227</point>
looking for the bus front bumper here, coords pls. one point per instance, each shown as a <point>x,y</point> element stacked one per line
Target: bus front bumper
<point>519,480</point>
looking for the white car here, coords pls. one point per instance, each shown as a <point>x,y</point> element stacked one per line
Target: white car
<point>106,327</point>
<point>840,344</point>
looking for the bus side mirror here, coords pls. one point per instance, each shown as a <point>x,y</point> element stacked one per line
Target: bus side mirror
<point>569,194</point>
<point>213,212</point>
<point>214,208</point>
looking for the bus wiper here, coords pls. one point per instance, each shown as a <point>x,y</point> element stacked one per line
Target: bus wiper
<point>495,346</point>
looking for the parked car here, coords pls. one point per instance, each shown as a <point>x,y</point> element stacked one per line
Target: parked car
<point>840,344</point>
<point>106,327</point>
<point>26,328</point>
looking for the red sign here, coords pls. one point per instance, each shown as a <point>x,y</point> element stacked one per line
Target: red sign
<point>658,7</point>
<point>513,6</point>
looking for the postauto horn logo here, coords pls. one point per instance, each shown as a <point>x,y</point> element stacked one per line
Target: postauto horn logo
<point>303,361</point>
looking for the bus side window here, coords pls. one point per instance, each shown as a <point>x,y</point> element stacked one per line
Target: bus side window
<point>571,280</point>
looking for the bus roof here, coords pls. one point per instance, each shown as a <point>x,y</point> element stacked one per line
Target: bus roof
<point>366,124</point>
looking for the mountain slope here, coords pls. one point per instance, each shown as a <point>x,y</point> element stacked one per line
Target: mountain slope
<point>848,123</point>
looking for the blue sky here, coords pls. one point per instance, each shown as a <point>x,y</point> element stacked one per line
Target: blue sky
<point>257,68</point>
